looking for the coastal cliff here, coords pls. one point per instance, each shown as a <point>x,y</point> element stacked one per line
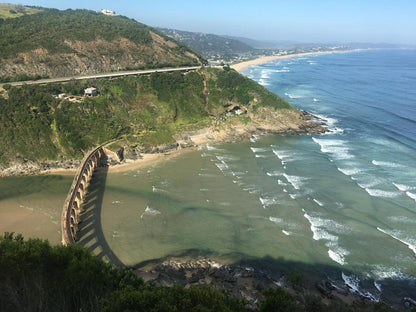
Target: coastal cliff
<point>40,130</point>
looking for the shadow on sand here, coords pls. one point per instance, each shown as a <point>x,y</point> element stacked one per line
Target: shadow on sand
<point>90,232</point>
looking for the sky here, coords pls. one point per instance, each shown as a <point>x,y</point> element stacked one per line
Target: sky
<point>307,21</point>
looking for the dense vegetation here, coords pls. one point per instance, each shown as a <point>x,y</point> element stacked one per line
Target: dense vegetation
<point>146,110</point>
<point>35,276</point>
<point>50,28</point>
<point>52,42</point>
<point>208,44</point>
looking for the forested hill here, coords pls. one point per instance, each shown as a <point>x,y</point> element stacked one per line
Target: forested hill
<point>58,43</point>
<point>208,44</point>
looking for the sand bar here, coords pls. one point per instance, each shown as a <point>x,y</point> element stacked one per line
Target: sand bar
<point>265,59</point>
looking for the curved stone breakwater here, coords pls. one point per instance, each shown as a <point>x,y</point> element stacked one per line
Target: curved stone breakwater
<point>73,203</point>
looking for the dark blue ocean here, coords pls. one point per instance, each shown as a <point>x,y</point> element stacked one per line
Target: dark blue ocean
<point>343,203</point>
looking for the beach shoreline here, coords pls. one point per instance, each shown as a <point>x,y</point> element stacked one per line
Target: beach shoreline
<point>266,59</point>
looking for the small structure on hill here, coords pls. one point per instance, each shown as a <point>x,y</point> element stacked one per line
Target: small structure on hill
<point>108,12</point>
<point>234,108</point>
<point>90,92</point>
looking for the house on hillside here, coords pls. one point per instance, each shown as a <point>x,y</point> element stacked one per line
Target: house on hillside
<point>108,12</point>
<point>90,92</point>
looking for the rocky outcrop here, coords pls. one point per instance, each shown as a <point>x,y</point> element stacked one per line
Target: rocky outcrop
<point>242,282</point>
<point>24,167</point>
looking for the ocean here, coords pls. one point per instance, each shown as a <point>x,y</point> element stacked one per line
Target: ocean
<point>342,203</point>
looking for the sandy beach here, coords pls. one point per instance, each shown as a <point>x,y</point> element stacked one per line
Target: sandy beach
<point>265,59</point>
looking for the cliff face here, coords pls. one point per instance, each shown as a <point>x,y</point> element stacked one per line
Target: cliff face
<point>61,44</point>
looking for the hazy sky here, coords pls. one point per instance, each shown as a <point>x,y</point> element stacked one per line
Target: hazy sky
<point>392,21</point>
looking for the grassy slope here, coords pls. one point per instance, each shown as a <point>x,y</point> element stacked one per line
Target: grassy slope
<point>145,110</point>
<point>13,11</point>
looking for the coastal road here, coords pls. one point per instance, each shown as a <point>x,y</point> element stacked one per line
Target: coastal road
<point>108,75</point>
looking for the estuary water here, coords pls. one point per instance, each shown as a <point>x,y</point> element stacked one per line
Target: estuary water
<point>345,199</point>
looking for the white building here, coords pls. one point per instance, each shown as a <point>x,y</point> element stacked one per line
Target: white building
<point>90,92</point>
<point>108,12</point>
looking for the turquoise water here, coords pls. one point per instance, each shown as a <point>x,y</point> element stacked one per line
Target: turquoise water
<point>344,200</point>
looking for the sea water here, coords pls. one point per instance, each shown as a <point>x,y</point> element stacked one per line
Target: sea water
<point>345,199</point>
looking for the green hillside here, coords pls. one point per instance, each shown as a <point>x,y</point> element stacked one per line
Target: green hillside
<point>148,110</point>
<point>208,44</point>
<point>13,11</point>
<point>75,42</point>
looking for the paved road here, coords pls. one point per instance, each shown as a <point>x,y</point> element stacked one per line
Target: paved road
<point>109,75</point>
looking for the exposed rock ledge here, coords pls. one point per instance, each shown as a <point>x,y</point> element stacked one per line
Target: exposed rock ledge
<point>243,282</point>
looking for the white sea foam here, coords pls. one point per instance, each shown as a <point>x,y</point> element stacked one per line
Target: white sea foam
<point>316,100</point>
<point>328,120</point>
<point>386,164</point>
<point>377,285</point>
<point>260,156</point>
<point>353,282</point>
<point>292,96</point>
<point>296,181</point>
<point>318,202</point>
<point>381,193</point>
<point>350,171</point>
<point>282,70</point>
<point>397,235</point>
<point>267,201</point>
<point>207,175</point>
<point>337,253</point>
<point>158,190</point>
<point>274,173</point>
<point>286,232</point>
<point>282,155</point>
<point>401,219</point>
<point>263,82</point>
<point>222,166</point>
<point>381,272</point>
<point>411,195</point>
<point>212,148</point>
<point>336,148</point>
<point>318,232</point>
<point>259,149</point>
<point>403,187</point>
<point>280,182</point>
<point>224,158</point>
<point>150,212</point>
<point>265,74</point>
<point>293,196</point>
<point>369,181</point>
<point>251,189</point>
<point>276,220</point>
